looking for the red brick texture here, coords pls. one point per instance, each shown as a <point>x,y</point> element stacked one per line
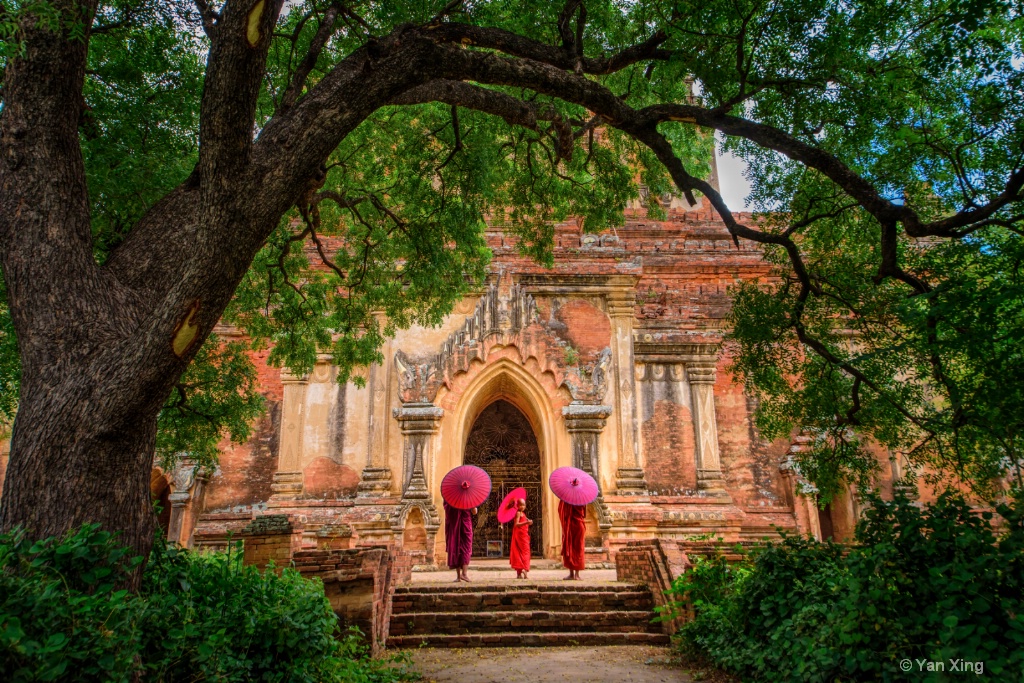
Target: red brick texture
<point>587,328</point>
<point>655,564</point>
<point>670,466</point>
<point>271,538</point>
<point>246,471</point>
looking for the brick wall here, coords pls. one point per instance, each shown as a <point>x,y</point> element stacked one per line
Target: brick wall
<point>334,537</point>
<point>360,585</point>
<point>271,538</point>
<point>245,472</point>
<point>325,478</point>
<point>355,583</point>
<point>656,564</point>
<point>359,582</point>
<point>669,458</point>
<point>587,328</point>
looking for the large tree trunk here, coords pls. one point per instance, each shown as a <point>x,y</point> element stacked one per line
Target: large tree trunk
<point>70,463</point>
<point>101,347</point>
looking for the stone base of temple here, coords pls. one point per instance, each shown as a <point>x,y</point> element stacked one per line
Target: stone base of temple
<point>371,586</point>
<point>414,526</point>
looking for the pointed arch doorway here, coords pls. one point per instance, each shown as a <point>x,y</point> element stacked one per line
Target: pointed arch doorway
<point>503,443</point>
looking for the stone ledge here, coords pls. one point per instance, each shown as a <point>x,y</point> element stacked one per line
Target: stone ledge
<point>529,640</point>
<point>267,525</point>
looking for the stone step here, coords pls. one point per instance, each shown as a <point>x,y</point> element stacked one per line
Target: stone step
<point>524,600</point>
<point>456,623</point>
<point>527,640</point>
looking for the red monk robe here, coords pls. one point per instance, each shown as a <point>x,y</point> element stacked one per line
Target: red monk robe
<point>574,534</point>
<point>519,553</point>
<point>458,536</point>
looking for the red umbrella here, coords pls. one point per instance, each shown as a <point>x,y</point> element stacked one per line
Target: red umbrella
<point>573,486</point>
<point>465,487</point>
<point>507,509</point>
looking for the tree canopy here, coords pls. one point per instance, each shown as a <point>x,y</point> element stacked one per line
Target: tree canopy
<point>884,141</point>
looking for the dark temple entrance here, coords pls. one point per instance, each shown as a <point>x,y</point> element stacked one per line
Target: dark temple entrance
<point>503,444</point>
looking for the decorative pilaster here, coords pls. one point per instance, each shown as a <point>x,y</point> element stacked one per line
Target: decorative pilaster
<point>420,422</point>
<point>630,475</point>
<point>186,486</point>
<point>376,477</point>
<point>803,494</point>
<point>288,478</point>
<point>705,426</point>
<point>374,482</point>
<point>584,422</point>
<point>904,478</point>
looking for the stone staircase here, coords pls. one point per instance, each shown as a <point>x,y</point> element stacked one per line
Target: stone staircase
<point>492,614</point>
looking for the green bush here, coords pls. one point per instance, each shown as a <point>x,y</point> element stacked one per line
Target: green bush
<point>62,614</point>
<point>931,584</point>
<point>196,618</point>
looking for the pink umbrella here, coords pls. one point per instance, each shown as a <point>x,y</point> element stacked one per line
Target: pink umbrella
<point>465,487</point>
<point>573,486</point>
<point>507,509</point>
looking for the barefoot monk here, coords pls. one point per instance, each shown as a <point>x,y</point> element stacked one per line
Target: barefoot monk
<point>574,532</point>
<point>458,539</point>
<point>519,552</point>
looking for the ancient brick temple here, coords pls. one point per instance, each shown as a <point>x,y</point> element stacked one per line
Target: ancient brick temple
<point>611,361</point>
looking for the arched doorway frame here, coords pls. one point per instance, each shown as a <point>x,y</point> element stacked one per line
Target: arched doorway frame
<point>507,380</point>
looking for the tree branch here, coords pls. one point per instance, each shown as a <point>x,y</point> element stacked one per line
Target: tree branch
<point>316,46</point>
<point>235,69</point>
<point>208,16</point>
<point>519,46</point>
<point>513,110</point>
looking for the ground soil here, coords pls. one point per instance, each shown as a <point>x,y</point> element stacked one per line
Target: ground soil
<point>625,664</point>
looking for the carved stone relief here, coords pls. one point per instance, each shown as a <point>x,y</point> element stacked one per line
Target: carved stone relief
<point>502,315</point>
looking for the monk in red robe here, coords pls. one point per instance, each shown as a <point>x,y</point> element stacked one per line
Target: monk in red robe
<point>574,533</point>
<point>458,539</point>
<point>519,553</point>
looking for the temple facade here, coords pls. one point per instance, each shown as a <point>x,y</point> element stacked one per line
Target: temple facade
<point>611,361</point>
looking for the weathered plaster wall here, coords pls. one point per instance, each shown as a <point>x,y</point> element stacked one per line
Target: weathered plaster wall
<point>328,470</point>
<point>246,471</point>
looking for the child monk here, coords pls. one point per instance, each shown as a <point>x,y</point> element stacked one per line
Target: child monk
<point>519,553</point>
<point>574,533</point>
<point>458,539</point>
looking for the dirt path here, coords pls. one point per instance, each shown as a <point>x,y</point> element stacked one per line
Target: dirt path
<point>620,664</point>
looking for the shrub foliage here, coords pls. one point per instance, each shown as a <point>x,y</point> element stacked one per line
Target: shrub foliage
<point>933,584</point>
<point>64,617</point>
